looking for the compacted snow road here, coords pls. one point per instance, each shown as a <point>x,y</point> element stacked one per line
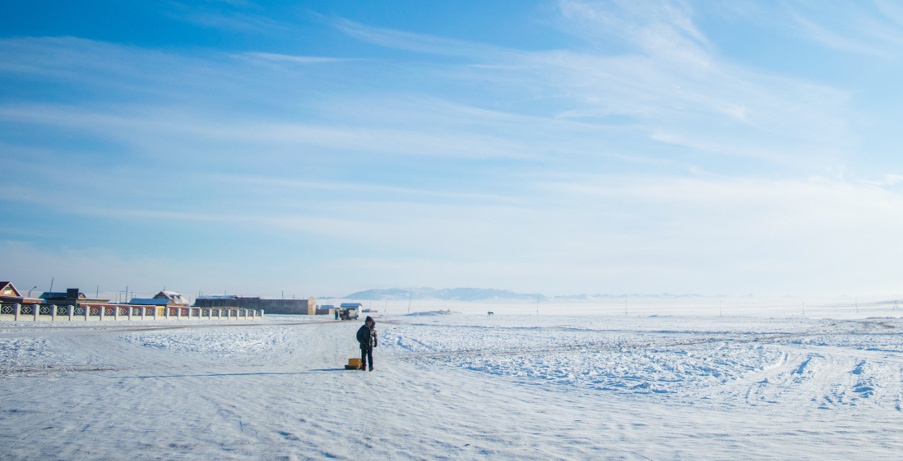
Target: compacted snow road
<point>454,387</point>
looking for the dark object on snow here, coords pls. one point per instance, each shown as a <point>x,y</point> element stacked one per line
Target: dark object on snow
<point>346,313</point>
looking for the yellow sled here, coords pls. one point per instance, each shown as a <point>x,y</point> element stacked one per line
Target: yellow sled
<point>353,364</point>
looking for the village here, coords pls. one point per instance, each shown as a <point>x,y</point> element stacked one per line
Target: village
<point>73,304</point>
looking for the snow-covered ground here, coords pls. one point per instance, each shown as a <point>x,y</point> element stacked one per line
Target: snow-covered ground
<point>634,379</point>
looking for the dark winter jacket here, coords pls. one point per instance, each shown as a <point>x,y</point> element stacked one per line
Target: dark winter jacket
<point>366,336</point>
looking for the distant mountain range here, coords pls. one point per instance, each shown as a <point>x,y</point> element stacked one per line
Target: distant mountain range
<point>485,294</point>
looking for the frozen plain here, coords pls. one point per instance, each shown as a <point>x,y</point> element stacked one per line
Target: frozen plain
<point>637,379</point>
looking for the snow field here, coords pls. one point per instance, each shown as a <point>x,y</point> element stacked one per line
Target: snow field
<point>509,386</point>
<point>728,360</point>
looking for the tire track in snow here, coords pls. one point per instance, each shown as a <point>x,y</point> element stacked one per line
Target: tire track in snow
<point>822,366</point>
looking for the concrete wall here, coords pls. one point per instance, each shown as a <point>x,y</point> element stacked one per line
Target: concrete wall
<point>51,312</point>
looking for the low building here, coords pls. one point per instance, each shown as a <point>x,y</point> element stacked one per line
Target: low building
<point>9,294</point>
<point>72,296</point>
<point>148,302</point>
<point>163,298</point>
<point>270,306</point>
<point>326,309</point>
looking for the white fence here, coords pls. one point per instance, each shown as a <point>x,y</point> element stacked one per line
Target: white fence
<point>51,312</point>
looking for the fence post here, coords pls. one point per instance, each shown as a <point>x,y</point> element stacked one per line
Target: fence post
<point>16,310</point>
<point>53,312</point>
<point>115,312</point>
<point>87,310</point>
<point>35,310</point>
<point>71,311</point>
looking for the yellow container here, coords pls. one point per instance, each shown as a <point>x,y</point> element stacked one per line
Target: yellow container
<point>354,363</point>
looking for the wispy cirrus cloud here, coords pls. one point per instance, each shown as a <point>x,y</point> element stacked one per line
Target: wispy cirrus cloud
<point>418,43</point>
<point>236,16</point>
<point>867,28</point>
<point>667,82</point>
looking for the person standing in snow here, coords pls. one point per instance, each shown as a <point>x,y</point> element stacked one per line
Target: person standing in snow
<point>366,336</point>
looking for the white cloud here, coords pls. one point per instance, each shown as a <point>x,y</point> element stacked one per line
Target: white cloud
<point>416,42</point>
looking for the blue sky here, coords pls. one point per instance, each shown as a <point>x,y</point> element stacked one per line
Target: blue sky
<point>316,148</point>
